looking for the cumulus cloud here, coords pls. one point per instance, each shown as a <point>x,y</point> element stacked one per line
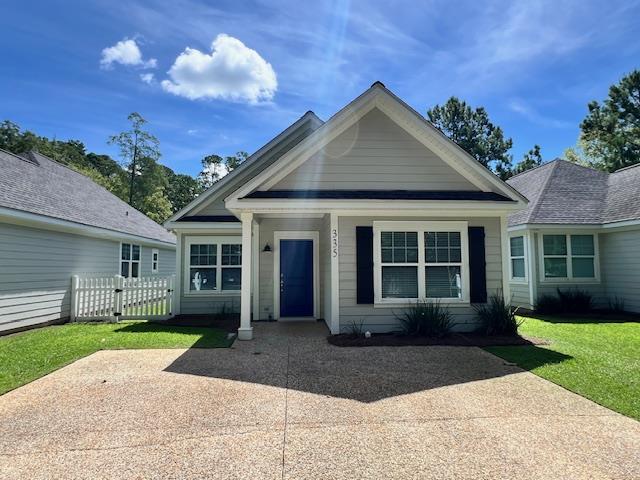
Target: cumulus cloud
<point>125,52</point>
<point>147,78</point>
<point>232,71</point>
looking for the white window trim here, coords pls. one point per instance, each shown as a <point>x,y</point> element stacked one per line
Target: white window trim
<point>130,261</point>
<point>219,240</point>
<point>569,279</point>
<point>155,252</point>
<point>420,227</point>
<point>525,257</point>
<point>313,235</point>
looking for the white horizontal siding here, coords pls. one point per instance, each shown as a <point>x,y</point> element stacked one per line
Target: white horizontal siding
<point>620,265</point>
<point>520,295</point>
<point>382,319</point>
<point>375,153</point>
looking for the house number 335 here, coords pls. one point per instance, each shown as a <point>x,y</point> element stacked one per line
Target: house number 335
<point>334,243</point>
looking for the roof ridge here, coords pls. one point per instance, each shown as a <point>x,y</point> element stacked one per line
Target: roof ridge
<point>19,157</point>
<point>543,190</point>
<point>628,167</point>
<point>544,164</point>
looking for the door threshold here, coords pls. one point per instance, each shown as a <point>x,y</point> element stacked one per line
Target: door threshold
<point>297,319</point>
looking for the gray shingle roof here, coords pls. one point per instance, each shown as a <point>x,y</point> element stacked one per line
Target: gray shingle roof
<point>562,192</point>
<point>36,184</point>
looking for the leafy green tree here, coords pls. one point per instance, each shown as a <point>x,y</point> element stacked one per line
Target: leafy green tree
<point>212,170</point>
<point>531,159</point>
<point>233,161</point>
<point>135,144</point>
<point>610,133</point>
<point>472,130</point>
<point>181,189</point>
<point>157,206</point>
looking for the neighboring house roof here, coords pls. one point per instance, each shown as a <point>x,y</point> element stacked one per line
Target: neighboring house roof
<point>561,192</point>
<point>381,195</point>
<point>38,185</point>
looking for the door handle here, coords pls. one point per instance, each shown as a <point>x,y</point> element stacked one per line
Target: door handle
<point>281,283</point>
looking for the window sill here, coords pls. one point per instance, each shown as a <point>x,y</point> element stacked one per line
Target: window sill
<point>410,303</point>
<point>563,281</point>
<point>212,293</point>
<point>519,281</point>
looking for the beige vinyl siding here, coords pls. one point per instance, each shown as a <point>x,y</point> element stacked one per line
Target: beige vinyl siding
<point>36,268</point>
<point>620,266</point>
<point>520,295</point>
<point>166,261</point>
<point>382,319</point>
<point>375,153</point>
<point>209,303</point>
<point>267,228</point>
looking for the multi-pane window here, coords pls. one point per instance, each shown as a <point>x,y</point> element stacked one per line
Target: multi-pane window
<point>568,256</point>
<point>518,267</point>
<point>214,265</point>
<point>443,264</point>
<point>154,260</point>
<point>129,260</point>
<point>424,262</point>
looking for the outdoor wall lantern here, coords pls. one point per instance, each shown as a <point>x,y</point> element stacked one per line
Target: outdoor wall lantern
<point>267,248</point>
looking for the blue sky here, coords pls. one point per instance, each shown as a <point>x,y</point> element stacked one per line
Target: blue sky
<point>533,65</point>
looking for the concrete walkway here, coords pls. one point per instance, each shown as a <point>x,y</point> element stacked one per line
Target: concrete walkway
<point>289,405</point>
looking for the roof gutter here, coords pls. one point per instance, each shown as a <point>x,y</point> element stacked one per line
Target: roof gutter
<point>27,219</point>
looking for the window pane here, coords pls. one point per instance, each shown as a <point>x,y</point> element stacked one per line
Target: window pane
<point>134,269</point>
<point>387,255</point>
<point>517,267</point>
<point>412,255</point>
<point>442,247</point>
<point>412,239</point>
<point>124,269</point>
<point>443,282</point>
<point>582,267</point>
<point>555,245</point>
<point>399,255</point>
<point>203,254</point>
<point>231,278</point>
<point>386,239</point>
<point>430,255</point>
<point>202,279</point>
<point>430,239</point>
<point>442,255</point>
<point>517,247</point>
<point>454,239</point>
<point>126,252</point>
<point>136,252</point>
<point>231,254</point>
<point>442,239</point>
<point>195,250</point>
<point>555,267</point>
<point>455,255</point>
<point>582,245</point>
<point>399,239</point>
<point>399,282</point>
<point>155,256</point>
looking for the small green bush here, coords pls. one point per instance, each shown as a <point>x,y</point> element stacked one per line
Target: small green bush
<point>426,319</point>
<point>356,328</point>
<point>498,317</point>
<point>616,304</point>
<point>548,304</point>
<point>575,301</point>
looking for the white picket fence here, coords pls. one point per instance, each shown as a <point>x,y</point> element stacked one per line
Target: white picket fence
<point>118,298</point>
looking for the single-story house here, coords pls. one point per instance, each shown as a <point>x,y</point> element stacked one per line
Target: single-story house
<point>56,223</point>
<point>348,221</point>
<point>581,230</point>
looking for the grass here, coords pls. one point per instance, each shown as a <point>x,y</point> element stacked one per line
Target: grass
<point>593,356</point>
<point>26,356</point>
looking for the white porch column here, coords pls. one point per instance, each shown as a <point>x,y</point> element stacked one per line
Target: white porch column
<point>335,275</point>
<point>179,274</point>
<point>245,332</point>
<point>504,242</point>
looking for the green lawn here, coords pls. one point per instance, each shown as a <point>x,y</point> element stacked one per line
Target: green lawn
<point>594,357</point>
<point>27,356</point>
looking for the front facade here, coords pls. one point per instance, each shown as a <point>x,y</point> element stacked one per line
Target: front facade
<point>581,231</point>
<point>349,222</point>
<point>56,223</point>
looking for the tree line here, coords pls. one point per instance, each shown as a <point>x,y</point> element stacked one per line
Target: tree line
<point>609,140</point>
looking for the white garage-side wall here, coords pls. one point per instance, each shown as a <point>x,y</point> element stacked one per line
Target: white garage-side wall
<point>382,318</point>
<point>620,266</point>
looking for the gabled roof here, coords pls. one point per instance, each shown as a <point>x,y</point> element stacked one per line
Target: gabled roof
<point>378,96</point>
<point>38,185</point>
<point>561,192</point>
<point>263,157</point>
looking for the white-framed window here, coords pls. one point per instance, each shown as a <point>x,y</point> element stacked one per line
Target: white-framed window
<point>155,260</point>
<point>518,260</point>
<point>420,260</point>
<point>569,257</point>
<point>129,260</point>
<point>213,264</point>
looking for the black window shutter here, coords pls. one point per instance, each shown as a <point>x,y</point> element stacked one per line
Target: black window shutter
<point>477,265</point>
<point>364,264</point>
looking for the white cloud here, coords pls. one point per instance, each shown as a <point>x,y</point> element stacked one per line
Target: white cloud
<point>147,78</point>
<point>125,52</point>
<point>531,114</point>
<point>232,71</point>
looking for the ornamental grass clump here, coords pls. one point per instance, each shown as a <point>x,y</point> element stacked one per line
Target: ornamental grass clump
<point>426,319</point>
<point>498,317</point>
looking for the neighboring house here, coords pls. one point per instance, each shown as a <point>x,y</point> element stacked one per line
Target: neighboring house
<point>348,221</point>
<point>55,223</point>
<point>581,230</point>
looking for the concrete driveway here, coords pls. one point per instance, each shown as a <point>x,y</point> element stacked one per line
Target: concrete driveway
<point>288,405</point>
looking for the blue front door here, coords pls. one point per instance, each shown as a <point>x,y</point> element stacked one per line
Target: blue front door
<point>296,278</point>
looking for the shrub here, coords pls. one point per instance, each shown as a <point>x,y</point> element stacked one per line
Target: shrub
<point>616,304</point>
<point>426,319</point>
<point>498,317</point>
<point>356,329</point>
<point>575,301</point>
<point>548,304</point>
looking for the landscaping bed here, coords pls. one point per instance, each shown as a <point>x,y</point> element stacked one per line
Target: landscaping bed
<point>453,339</point>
